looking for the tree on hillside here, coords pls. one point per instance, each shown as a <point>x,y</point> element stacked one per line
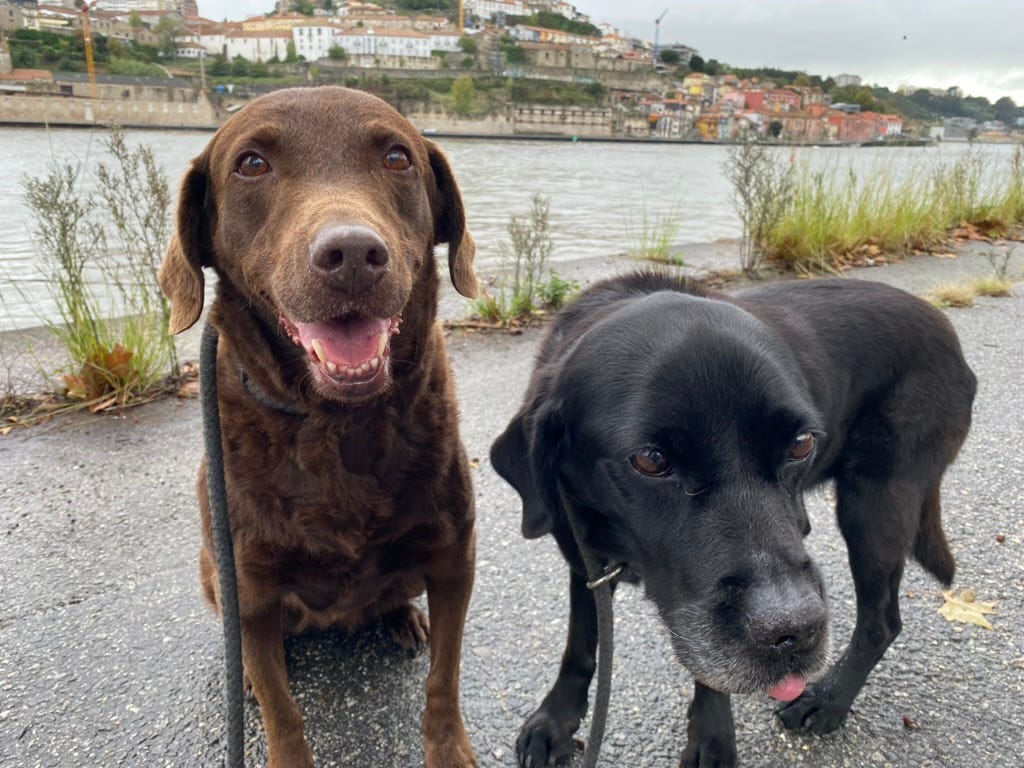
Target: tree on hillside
<point>166,29</point>
<point>1006,111</point>
<point>696,63</point>
<point>463,95</point>
<point>669,57</point>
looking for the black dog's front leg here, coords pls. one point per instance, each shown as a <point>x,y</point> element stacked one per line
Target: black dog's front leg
<point>546,737</point>
<point>710,735</point>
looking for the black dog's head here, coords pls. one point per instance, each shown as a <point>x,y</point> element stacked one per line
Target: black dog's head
<point>679,432</point>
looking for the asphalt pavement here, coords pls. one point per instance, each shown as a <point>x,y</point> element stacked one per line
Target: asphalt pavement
<point>109,656</point>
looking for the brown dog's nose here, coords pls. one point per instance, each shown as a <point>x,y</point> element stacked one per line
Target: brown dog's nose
<point>351,258</point>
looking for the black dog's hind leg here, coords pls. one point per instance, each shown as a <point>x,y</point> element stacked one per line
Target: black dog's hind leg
<point>878,519</point>
<point>547,736</point>
<point>710,735</point>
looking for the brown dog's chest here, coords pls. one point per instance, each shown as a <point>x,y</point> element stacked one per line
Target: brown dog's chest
<point>344,514</point>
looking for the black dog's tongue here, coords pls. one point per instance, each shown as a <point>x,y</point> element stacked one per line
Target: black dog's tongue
<point>788,688</point>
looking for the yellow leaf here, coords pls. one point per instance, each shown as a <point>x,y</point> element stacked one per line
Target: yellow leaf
<point>962,606</point>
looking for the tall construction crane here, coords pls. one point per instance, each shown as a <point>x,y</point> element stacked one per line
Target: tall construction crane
<point>657,29</point>
<point>90,64</point>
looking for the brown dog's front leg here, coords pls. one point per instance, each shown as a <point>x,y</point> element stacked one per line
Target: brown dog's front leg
<point>449,586</point>
<point>263,656</point>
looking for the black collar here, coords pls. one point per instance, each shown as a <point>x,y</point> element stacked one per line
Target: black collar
<point>266,400</point>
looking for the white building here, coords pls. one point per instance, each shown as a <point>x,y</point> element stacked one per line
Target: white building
<point>360,41</point>
<point>258,46</point>
<point>314,39</point>
<point>488,9</point>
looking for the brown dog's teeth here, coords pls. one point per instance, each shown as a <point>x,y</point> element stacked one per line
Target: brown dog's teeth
<point>318,350</point>
<point>382,344</point>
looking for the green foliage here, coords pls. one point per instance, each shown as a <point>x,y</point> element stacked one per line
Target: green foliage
<point>551,20</point>
<point>463,95</point>
<point>523,290</point>
<point>219,66</point>
<point>426,5</point>
<point>833,215</point>
<point>696,63</point>
<point>468,45</point>
<point>113,238</point>
<point>337,53</point>
<point>669,57</point>
<point>514,54</point>
<point>135,68</point>
<point>655,236</point>
<point>763,186</point>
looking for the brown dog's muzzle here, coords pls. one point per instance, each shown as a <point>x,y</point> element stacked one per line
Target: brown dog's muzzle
<point>350,258</point>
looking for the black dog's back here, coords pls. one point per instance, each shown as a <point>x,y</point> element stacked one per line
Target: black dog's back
<point>892,365</point>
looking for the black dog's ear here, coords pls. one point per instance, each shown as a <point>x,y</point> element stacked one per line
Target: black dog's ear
<point>450,224</point>
<point>527,455</point>
<point>190,249</point>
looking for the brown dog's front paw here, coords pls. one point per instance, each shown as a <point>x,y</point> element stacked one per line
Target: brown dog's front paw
<point>408,627</point>
<point>455,753</point>
<point>295,753</point>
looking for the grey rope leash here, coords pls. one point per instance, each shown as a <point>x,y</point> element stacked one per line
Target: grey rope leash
<point>599,581</point>
<point>221,524</point>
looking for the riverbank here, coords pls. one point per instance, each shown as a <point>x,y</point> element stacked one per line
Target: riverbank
<point>28,357</point>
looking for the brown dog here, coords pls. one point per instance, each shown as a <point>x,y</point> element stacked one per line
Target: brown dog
<point>348,485</point>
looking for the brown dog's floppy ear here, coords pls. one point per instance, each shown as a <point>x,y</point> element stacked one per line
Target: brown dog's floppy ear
<point>530,465</point>
<point>181,274</point>
<point>450,224</point>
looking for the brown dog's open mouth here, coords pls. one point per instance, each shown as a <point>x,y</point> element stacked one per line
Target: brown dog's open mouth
<point>349,355</point>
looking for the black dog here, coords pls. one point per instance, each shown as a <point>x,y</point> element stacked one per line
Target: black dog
<point>683,427</point>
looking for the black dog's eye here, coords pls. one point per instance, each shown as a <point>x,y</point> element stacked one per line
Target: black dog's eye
<point>252,165</point>
<point>801,447</point>
<point>397,159</point>
<point>650,462</point>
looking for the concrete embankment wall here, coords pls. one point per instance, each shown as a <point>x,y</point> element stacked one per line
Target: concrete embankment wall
<point>59,110</point>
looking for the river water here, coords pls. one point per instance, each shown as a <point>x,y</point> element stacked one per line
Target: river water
<point>600,193</point>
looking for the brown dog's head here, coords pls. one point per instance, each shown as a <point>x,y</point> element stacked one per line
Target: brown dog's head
<point>320,208</point>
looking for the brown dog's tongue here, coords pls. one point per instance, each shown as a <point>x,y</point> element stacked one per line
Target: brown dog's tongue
<point>788,688</point>
<point>351,341</point>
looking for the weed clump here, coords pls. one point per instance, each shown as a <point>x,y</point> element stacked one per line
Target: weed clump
<point>527,287</point>
<point>100,253</point>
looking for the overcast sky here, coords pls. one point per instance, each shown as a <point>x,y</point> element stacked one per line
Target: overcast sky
<point>976,44</point>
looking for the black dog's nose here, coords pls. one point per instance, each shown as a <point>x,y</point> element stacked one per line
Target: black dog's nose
<point>786,620</point>
<point>351,258</point>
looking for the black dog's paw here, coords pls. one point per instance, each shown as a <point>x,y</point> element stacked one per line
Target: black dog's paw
<point>709,752</point>
<point>543,740</point>
<point>815,711</point>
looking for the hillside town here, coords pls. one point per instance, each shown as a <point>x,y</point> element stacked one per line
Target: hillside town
<point>647,89</point>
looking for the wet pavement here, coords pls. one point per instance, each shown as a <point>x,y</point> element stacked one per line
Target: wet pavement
<point>109,657</point>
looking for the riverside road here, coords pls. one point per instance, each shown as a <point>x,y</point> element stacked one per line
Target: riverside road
<point>109,657</point>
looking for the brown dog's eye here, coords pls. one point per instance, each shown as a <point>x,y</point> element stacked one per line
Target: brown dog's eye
<point>650,462</point>
<point>801,447</point>
<point>252,165</point>
<point>397,159</point>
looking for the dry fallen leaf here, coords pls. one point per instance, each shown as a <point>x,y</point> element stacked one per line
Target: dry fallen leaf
<point>962,606</point>
<point>911,724</point>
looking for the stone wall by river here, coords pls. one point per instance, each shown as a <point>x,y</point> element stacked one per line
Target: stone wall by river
<point>65,111</point>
